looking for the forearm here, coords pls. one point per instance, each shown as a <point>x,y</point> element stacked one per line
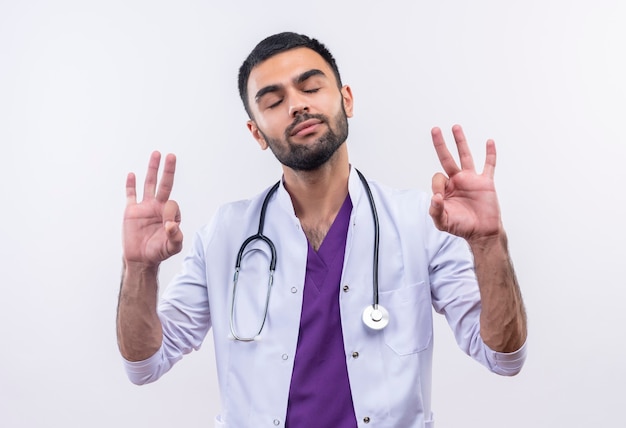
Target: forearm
<point>139,331</point>
<point>502,318</point>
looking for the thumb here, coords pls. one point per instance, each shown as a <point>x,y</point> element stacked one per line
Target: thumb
<point>436,209</point>
<point>437,212</point>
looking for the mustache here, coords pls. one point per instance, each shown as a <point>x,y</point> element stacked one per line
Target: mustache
<point>303,117</point>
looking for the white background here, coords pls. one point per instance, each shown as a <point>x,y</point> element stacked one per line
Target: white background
<point>88,89</point>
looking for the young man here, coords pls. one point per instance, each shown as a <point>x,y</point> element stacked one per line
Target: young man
<point>328,321</point>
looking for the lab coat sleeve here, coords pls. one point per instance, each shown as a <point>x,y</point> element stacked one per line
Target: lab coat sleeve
<point>455,294</point>
<point>184,313</point>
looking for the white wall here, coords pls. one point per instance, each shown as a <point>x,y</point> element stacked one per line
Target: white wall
<point>89,89</point>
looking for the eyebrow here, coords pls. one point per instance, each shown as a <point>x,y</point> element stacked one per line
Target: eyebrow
<point>308,74</point>
<point>297,80</point>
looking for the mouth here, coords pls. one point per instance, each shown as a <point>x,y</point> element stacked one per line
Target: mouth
<point>307,127</point>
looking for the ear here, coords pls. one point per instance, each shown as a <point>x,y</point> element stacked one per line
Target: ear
<point>347,99</point>
<point>256,134</point>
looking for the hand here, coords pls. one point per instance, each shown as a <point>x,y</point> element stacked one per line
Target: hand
<point>464,203</point>
<point>151,231</point>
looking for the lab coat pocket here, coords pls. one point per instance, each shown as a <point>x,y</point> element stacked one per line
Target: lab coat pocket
<point>410,318</point>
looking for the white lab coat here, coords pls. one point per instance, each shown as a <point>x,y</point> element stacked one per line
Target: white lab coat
<point>389,370</point>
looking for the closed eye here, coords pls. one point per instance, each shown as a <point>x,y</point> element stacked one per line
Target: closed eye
<point>276,104</point>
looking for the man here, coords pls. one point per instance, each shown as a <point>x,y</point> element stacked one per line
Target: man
<point>306,334</point>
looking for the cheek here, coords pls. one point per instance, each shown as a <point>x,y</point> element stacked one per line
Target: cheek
<point>337,106</point>
<point>272,125</point>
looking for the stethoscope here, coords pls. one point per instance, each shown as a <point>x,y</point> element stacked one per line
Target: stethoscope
<point>374,316</point>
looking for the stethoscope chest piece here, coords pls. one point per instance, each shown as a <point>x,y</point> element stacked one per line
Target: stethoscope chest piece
<point>375,317</point>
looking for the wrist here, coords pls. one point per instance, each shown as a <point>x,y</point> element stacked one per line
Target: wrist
<point>140,268</point>
<point>138,275</point>
<point>488,242</point>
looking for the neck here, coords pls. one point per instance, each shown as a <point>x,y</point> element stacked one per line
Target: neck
<point>317,196</point>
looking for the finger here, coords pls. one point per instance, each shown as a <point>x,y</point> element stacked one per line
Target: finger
<point>167,179</point>
<point>490,159</point>
<point>439,183</point>
<point>171,212</point>
<point>131,193</point>
<point>149,185</point>
<point>445,158</point>
<point>174,238</point>
<point>171,222</point>
<point>465,156</point>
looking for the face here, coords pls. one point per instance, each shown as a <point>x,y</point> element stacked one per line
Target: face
<point>298,110</point>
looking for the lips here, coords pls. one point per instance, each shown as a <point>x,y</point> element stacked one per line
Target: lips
<point>309,123</point>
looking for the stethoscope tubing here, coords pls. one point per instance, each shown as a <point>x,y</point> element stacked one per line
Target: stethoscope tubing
<point>376,238</point>
<point>375,317</point>
<point>258,236</point>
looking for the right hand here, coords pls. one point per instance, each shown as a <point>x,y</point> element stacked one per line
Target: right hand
<point>151,230</point>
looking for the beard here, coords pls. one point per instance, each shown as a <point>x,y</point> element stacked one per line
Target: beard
<point>309,157</point>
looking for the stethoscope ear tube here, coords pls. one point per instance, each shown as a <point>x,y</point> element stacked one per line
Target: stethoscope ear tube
<point>233,333</point>
<point>258,237</point>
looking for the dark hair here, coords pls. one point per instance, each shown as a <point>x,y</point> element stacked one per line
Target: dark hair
<point>276,44</point>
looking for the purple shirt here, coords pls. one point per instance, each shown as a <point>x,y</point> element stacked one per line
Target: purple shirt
<point>320,391</point>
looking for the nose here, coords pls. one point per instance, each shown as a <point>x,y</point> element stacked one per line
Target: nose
<point>298,107</point>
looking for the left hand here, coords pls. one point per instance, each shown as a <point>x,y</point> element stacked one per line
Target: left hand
<point>464,203</point>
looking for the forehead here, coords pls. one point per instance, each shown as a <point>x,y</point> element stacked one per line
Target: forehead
<point>283,68</point>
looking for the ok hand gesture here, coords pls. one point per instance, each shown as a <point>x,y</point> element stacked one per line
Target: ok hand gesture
<point>151,231</point>
<point>464,203</point>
